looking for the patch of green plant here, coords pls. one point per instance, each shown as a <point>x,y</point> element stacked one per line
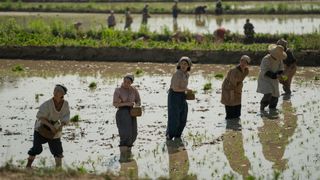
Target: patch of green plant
<point>75,118</point>
<point>37,97</point>
<point>17,68</point>
<point>207,86</point>
<point>139,72</point>
<point>316,78</point>
<point>218,76</point>
<point>93,85</point>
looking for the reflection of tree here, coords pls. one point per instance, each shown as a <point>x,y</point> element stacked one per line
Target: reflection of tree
<point>234,151</point>
<point>178,161</point>
<point>129,170</point>
<point>274,136</point>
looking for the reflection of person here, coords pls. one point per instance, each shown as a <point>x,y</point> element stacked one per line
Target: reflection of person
<point>290,67</point>
<point>129,169</point>
<point>145,14</point>
<point>177,104</point>
<point>178,161</point>
<point>271,69</point>
<point>124,98</point>
<point>234,151</point>
<point>248,31</point>
<point>111,20</point>
<point>128,20</point>
<point>274,136</point>
<point>52,115</point>
<point>232,88</point>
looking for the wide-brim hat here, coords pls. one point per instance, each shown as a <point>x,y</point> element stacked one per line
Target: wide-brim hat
<point>283,43</point>
<point>187,59</point>
<point>246,58</point>
<point>277,51</point>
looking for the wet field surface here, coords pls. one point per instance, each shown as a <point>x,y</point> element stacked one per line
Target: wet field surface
<point>298,24</point>
<point>288,145</point>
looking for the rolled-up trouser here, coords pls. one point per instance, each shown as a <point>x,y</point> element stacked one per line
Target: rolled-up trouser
<point>127,127</point>
<point>268,100</point>
<point>177,113</point>
<point>233,111</point>
<point>55,145</point>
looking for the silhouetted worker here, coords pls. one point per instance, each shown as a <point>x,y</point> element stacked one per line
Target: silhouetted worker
<point>111,20</point>
<point>218,10</point>
<point>248,32</point>
<point>128,20</point>
<point>145,14</point>
<point>200,10</point>
<point>175,10</point>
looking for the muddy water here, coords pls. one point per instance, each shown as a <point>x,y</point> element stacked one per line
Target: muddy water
<point>288,144</point>
<point>298,24</point>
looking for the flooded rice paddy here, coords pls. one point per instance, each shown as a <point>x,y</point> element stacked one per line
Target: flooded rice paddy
<point>288,145</point>
<point>298,24</point>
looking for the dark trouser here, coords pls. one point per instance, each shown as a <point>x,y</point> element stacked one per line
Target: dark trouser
<point>55,145</point>
<point>268,100</point>
<point>177,113</point>
<point>233,111</point>
<point>127,127</point>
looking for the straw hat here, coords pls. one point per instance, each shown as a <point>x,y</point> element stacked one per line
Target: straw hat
<point>277,51</point>
<point>246,58</point>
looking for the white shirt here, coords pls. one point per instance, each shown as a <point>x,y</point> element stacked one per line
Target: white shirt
<point>47,110</point>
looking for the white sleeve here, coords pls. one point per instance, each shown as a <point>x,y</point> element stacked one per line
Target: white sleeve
<point>66,116</point>
<point>43,111</point>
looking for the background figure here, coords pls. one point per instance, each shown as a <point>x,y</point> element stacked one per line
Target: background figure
<point>218,9</point>
<point>219,34</point>
<point>232,88</point>
<point>275,136</point>
<point>234,151</point>
<point>51,117</point>
<point>128,20</point>
<point>145,14</point>
<point>111,20</point>
<point>248,32</point>
<point>124,98</point>
<point>290,68</point>
<point>177,104</point>
<point>175,10</point>
<point>199,11</point>
<point>271,70</point>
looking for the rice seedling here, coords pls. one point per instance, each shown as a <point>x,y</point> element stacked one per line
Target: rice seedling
<point>218,76</point>
<point>207,86</point>
<point>139,72</point>
<point>93,85</point>
<point>75,118</point>
<point>17,68</point>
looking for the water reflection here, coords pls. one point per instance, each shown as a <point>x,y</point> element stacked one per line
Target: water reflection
<point>298,24</point>
<point>233,148</point>
<point>178,160</point>
<point>274,136</point>
<point>129,169</point>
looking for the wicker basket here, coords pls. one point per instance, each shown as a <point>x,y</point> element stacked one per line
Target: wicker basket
<point>190,96</point>
<point>136,111</point>
<point>45,131</point>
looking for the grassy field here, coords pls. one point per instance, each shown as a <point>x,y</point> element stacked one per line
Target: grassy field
<point>249,7</point>
<point>39,33</point>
